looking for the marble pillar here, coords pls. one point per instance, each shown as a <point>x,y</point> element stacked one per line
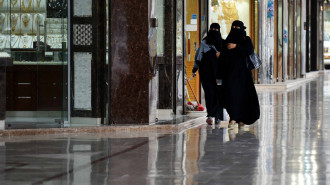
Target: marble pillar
<point>285,40</point>
<point>303,37</point>
<point>134,84</point>
<point>266,44</point>
<point>4,62</point>
<point>316,50</point>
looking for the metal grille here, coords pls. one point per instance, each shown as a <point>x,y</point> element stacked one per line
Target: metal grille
<point>82,34</point>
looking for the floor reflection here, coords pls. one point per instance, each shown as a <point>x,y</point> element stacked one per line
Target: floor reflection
<point>229,157</point>
<point>291,135</point>
<point>288,145</point>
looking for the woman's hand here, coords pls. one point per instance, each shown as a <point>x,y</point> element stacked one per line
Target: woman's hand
<point>231,45</point>
<point>217,54</point>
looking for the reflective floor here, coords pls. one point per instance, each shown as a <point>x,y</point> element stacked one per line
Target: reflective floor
<point>290,144</point>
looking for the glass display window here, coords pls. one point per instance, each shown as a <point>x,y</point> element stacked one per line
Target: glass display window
<point>39,5</point>
<point>36,36</point>
<point>26,23</point>
<point>27,6</point>
<point>15,5</point>
<point>224,12</point>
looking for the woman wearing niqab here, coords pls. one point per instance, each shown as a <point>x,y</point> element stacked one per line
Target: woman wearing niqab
<point>240,96</point>
<point>206,61</point>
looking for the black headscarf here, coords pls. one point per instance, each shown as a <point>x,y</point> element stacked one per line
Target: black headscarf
<point>236,35</point>
<point>214,37</point>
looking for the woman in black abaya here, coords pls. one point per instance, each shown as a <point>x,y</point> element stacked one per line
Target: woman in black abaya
<point>206,61</point>
<point>240,96</point>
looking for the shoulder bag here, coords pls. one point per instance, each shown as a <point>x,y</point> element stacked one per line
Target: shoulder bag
<point>253,61</point>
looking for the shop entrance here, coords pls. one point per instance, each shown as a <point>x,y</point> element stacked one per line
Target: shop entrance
<point>195,30</point>
<point>36,33</point>
<point>177,42</point>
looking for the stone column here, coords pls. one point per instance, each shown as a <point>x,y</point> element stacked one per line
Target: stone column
<point>4,62</point>
<point>316,49</point>
<point>285,39</point>
<point>266,43</point>
<point>303,37</point>
<point>134,83</point>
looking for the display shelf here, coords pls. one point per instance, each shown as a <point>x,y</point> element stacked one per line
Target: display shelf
<point>23,6</point>
<point>22,24</point>
<point>39,63</point>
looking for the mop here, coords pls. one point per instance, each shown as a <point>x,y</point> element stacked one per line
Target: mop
<point>199,106</point>
<point>189,104</point>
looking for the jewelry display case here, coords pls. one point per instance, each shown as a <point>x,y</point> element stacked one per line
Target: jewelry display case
<point>26,23</point>
<point>28,20</point>
<point>36,35</point>
<point>38,18</point>
<point>14,5</point>
<point>4,23</point>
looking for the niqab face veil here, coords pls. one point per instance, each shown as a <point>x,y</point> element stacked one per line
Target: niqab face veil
<point>214,37</point>
<point>236,35</point>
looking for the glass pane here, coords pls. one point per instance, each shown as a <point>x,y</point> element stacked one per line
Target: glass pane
<point>225,12</point>
<point>291,40</point>
<point>164,60</point>
<point>106,71</point>
<point>37,94</point>
<point>204,18</point>
<point>160,28</point>
<point>280,39</point>
<point>298,38</point>
<point>191,44</point>
<point>285,39</point>
<point>180,92</point>
<point>5,29</point>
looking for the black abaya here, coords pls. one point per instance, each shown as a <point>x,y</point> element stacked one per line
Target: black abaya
<point>208,72</point>
<point>240,97</point>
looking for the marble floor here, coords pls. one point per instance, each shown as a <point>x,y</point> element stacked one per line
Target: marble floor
<point>290,144</point>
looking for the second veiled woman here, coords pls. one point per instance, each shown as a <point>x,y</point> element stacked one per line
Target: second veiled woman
<point>240,97</point>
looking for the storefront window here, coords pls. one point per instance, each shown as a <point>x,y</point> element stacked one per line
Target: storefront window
<point>203,18</point>
<point>5,29</point>
<point>291,41</point>
<point>37,83</point>
<point>224,12</point>
<point>298,38</point>
<point>192,41</point>
<point>180,95</point>
<point>160,28</point>
<point>280,40</point>
<point>327,17</point>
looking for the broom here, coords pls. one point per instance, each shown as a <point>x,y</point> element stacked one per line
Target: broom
<point>199,106</point>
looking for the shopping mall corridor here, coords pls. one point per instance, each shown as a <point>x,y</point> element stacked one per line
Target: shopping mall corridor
<point>290,144</point>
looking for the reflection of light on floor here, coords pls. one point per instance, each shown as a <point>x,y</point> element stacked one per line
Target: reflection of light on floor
<point>81,176</point>
<point>152,160</point>
<point>289,130</point>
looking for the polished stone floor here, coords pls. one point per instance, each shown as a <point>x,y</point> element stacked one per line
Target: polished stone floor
<point>290,144</point>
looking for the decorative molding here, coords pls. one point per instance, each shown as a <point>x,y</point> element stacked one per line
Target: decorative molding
<point>82,34</point>
<point>82,8</point>
<point>82,80</point>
